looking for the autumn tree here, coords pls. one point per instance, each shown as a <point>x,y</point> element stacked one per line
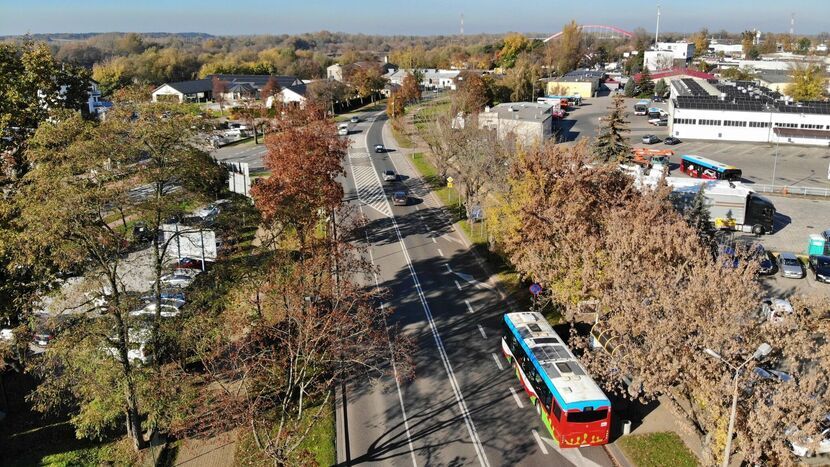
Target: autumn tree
<point>809,83</point>
<point>410,88</point>
<point>564,53</point>
<point>514,44</point>
<point>270,90</point>
<point>472,94</point>
<point>747,41</point>
<point>701,41</point>
<point>305,157</point>
<point>479,160</point>
<point>739,74</point>
<point>219,88</point>
<point>522,79</point>
<point>366,80</point>
<point>327,93</point>
<point>395,105</point>
<point>439,134</point>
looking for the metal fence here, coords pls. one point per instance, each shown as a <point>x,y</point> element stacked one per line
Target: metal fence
<point>791,190</point>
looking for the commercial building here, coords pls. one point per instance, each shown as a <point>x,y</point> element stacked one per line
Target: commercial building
<point>744,111</point>
<point>528,123</point>
<point>775,80</point>
<point>578,82</point>
<point>732,50</point>
<point>680,50</point>
<point>431,78</point>
<point>657,60</point>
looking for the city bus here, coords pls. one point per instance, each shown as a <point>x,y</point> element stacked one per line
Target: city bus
<point>573,408</point>
<point>701,167</point>
<point>641,107</point>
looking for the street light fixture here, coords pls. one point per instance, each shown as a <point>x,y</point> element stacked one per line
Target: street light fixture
<point>762,351</point>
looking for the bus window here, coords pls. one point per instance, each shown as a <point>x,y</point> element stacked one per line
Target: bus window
<point>587,416</point>
<point>557,411</point>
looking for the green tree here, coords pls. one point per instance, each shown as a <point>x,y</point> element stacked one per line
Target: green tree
<point>564,53</point>
<point>612,143</point>
<point>661,88</point>
<point>645,84</point>
<point>514,44</point>
<point>808,83</point>
<point>803,45</point>
<point>698,217</point>
<point>630,88</point>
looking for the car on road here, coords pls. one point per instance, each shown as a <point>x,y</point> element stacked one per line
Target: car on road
<point>790,266</point>
<point>354,120</point>
<point>400,198</point>
<point>820,265</point>
<point>191,263</point>
<point>390,176</point>
<point>656,99</point>
<point>650,139</point>
<point>671,141</point>
<point>379,148</point>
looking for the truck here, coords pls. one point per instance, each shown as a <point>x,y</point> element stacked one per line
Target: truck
<point>648,157</point>
<point>732,205</point>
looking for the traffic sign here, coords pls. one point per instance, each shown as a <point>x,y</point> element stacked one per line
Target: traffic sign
<point>535,289</point>
<point>477,213</point>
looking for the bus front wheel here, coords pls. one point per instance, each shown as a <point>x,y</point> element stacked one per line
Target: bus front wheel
<point>758,229</point>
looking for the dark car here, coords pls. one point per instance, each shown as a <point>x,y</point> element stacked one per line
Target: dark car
<point>820,264</point>
<point>191,263</point>
<point>650,139</point>
<point>400,198</point>
<point>671,141</point>
<point>657,99</point>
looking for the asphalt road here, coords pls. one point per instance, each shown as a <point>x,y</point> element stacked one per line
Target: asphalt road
<point>243,152</point>
<point>464,405</point>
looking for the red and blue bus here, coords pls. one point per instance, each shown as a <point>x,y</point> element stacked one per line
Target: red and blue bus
<point>701,167</point>
<point>573,408</point>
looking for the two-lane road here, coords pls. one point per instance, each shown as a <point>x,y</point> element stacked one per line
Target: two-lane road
<point>464,405</point>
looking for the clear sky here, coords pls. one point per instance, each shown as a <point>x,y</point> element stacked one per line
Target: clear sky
<point>418,17</point>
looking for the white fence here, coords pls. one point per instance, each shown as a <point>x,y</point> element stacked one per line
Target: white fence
<point>791,190</point>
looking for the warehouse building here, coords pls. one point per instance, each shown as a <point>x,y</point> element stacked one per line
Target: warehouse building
<point>529,123</point>
<point>574,83</point>
<point>744,111</point>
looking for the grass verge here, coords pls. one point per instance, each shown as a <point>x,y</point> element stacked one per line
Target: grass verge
<point>403,139</point>
<point>657,449</point>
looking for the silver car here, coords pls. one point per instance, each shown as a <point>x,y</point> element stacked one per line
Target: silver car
<point>790,266</point>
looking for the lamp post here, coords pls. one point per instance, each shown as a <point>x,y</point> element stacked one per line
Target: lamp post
<point>775,163</point>
<point>762,351</point>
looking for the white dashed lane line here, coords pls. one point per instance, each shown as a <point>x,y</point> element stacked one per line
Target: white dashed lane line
<point>498,362</point>
<point>516,398</point>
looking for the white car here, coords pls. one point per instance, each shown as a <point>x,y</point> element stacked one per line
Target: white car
<point>169,309</point>
<point>137,339</point>
<point>380,148</point>
<point>776,309</point>
<point>823,448</point>
<point>6,335</point>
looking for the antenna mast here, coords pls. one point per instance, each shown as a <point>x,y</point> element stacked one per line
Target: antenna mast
<point>792,24</point>
<point>462,24</point>
<point>657,31</point>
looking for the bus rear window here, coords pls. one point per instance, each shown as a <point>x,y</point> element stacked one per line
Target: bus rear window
<point>587,416</point>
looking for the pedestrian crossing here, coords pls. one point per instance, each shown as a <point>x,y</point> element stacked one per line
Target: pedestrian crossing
<point>369,187</point>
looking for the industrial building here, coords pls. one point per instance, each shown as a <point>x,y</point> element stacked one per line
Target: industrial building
<point>529,123</point>
<point>578,82</point>
<point>744,111</point>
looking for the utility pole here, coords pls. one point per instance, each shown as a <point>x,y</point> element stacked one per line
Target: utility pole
<point>657,31</point>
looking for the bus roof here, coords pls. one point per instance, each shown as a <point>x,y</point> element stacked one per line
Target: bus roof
<point>708,162</point>
<point>643,102</point>
<point>561,371</point>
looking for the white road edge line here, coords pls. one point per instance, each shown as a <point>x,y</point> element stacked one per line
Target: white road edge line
<point>516,398</point>
<point>469,307</point>
<point>439,343</point>
<point>498,362</point>
<point>434,240</point>
<point>481,330</point>
<point>540,442</point>
<point>394,368</point>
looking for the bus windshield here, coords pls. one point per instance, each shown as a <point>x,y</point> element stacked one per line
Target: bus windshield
<point>587,416</point>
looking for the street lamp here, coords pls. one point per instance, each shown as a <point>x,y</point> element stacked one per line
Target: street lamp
<point>762,351</point>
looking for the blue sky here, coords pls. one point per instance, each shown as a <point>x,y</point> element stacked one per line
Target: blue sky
<point>419,17</point>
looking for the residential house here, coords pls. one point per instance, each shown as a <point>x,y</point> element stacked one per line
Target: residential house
<point>529,123</point>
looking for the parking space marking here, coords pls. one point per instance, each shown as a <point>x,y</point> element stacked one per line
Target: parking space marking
<point>449,269</point>
<point>457,285</point>
<point>469,307</point>
<point>539,441</point>
<point>434,240</point>
<point>481,330</point>
<point>516,398</point>
<point>498,362</point>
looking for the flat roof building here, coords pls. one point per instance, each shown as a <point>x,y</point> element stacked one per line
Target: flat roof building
<point>744,111</point>
<point>578,82</point>
<point>529,123</point>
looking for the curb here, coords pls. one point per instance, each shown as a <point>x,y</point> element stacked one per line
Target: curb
<point>617,456</point>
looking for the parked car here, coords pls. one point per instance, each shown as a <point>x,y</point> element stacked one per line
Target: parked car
<point>659,122</point>
<point>656,99</point>
<point>820,265</point>
<point>790,266</point>
<point>169,308</point>
<point>802,450</point>
<point>400,198</point>
<point>390,176</point>
<point>775,309</point>
<point>650,139</point>
<point>176,280</point>
<point>765,264</point>
<point>379,148</point>
<point>191,263</point>
<point>141,233</point>
<point>354,120</point>
<point>208,212</point>
<point>671,141</point>
<point>166,294</point>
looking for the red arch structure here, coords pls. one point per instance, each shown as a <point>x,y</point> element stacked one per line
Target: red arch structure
<point>602,27</point>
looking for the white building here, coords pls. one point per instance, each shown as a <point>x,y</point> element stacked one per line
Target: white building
<point>680,50</point>
<point>432,78</point>
<point>657,60</point>
<point>744,111</point>
<point>529,123</point>
<point>727,49</point>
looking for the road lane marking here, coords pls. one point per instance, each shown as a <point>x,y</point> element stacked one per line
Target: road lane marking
<point>449,269</point>
<point>434,240</point>
<point>498,362</point>
<point>469,307</point>
<point>440,252</point>
<point>481,330</point>
<point>516,398</point>
<point>439,343</point>
<point>457,285</point>
<point>392,359</point>
<point>539,441</point>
